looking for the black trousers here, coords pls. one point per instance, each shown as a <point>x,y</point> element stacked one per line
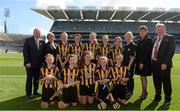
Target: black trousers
<point>130,83</point>
<point>32,76</point>
<point>162,78</point>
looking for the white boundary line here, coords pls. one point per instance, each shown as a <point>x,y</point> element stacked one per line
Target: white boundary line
<point>21,76</point>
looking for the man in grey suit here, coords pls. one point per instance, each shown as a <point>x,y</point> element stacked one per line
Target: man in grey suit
<point>33,52</point>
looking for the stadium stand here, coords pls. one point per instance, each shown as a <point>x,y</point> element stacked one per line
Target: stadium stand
<point>105,20</point>
<point>12,42</point>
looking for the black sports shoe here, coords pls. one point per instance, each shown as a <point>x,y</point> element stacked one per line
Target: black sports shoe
<point>36,94</point>
<point>142,97</point>
<point>167,103</point>
<point>28,98</point>
<point>156,99</point>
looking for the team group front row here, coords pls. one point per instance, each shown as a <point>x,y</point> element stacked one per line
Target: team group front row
<point>85,72</point>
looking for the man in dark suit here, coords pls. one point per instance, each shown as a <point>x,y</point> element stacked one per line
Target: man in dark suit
<point>162,54</point>
<point>33,53</point>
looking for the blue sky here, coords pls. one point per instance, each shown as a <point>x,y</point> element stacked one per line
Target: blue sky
<point>22,19</point>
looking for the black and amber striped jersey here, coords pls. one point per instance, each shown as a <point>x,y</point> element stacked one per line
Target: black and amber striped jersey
<point>69,75</point>
<point>101,74</point>
<point>115,51</point>
<point>103,51</point>
<point>44,72</point>
<point>91,47</point>
<point>63,50</point>
<point>119,72</point>
<point>87,74</point>
<point>78,50</point>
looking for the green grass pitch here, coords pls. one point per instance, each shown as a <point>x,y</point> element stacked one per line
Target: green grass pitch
<point>12,88</point>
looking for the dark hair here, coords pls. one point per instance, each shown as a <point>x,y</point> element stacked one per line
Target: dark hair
<point>79,35</point>
<point>81,62</point>
<point>143,27</point>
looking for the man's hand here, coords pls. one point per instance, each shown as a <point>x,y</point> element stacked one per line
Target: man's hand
<point>163,66</point>
<point>28,65</point>
<point>128,68</point>
<point>141,66</point>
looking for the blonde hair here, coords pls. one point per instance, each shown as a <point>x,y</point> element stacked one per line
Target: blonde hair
<point>50,55</point>
<point>103,58</point>
<point>117,37</point>
<point>119,55</point>
<point>93,33</point>
<point>105,36</point>
<point>50,34</point>
<point>129,33</point>
<point>64,34</point>
<point>160,25</point>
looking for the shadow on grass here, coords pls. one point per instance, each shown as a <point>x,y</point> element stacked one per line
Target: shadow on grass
<point>19,103</point>
<point>151,106</point>
<point>136,105</point>
<point>163,107</point>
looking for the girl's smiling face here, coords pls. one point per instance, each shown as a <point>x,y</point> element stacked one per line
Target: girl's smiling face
<point>72,60</point>
<point>87,57</point>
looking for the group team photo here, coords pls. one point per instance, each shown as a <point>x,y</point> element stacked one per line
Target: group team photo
<point>98,72</point>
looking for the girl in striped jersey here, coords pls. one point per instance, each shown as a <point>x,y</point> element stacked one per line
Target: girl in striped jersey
<point>119,79</point>
<point>77,48</point>
<point>92,45</point>
<point>68,82</point>
<point>87,78</point>
<point>104,48</point>
<point>48,79</point>
<point>103,77</point>
<point>63,50</point>
<point>117,49</point>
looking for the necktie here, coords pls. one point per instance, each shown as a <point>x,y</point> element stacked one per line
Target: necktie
<point>156,49</point>
<point>37,44</point>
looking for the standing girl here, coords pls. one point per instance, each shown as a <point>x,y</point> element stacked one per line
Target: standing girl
<point>77,48</point>
<point>117,49</point>
<point>63,50</point>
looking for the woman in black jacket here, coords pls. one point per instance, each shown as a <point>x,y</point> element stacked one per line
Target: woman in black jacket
<point>143,59</point>
<point>50,46</point>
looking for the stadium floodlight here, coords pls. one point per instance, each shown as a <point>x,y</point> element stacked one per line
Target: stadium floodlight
<point>107,8</point>
<point>89,8</point>
<point>142,9</point>
<point>174,10</point>
<point>54,7</point>
<point>72,7</point>
<point>125,8</point>
<point>158,9</point>
<point>6,14</point>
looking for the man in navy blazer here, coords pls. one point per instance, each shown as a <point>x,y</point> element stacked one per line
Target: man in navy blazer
<point>162,54</point>
<point>33,52</point>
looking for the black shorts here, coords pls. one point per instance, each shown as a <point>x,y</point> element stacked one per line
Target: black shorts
<point>103,92</point>
<point>119,91</point>
<point>69,95</point>
<point>87,90</point>
<point>47,93</point>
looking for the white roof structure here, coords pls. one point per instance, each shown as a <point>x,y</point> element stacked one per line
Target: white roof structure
<point>110,14</point>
